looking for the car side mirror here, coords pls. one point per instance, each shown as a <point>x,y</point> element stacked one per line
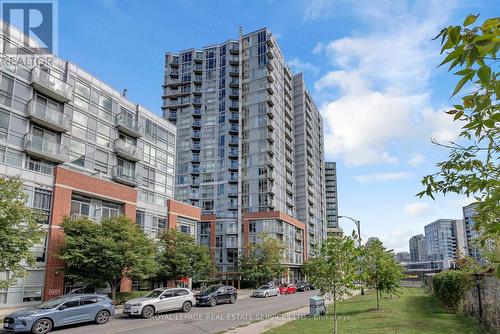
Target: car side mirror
<point>162,297</point>
<point>62,307</point>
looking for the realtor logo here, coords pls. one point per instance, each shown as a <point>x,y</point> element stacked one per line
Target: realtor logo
<point>37,19</point>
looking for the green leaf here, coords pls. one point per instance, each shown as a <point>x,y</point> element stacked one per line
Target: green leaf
<point>489,123</point>
<point>458,115</point>
<point>460,84</point>
<point>484,74</point>
<point>455,35</point>
<point>470,19</point>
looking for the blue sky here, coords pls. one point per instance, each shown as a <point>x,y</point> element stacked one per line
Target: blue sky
<point>371,66</point>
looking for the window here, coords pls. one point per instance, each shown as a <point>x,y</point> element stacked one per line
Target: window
<point>105,102</point>
<point>185,229</point>
<point>181,293</point>
<point>42,199</point>
<point>90,300</point>
<point>168,294</point>
<point>72,303</point>
<point>77,152</point>
<point>101,161</point>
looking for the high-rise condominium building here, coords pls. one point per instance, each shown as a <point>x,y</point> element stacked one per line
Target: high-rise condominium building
<point>441,240</point>
<point>235,105</point>
<point>332,220</point>
<point>418,250</point>
<point>81,149</point>
<point>471,234</point>
<point>309,165</point>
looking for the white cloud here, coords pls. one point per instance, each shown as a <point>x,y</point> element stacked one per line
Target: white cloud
<point>298,66</point>
<point>416,160</point>
<point>417,209</point>
<point>380,83</point>
<point>380,177</point>
<point>318,8</point>
<point>318,48</point>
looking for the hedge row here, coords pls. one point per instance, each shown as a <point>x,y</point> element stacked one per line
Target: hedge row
<point>450,286</point>
<point>122,297</point>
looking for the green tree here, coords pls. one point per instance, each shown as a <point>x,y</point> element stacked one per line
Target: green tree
<point>106,252</point>
<point>380,270</point>
<point>472,168</point>
<point>334,269</point>
<point>263,260</point>
<point>19,230</point>
<point>180,256</point>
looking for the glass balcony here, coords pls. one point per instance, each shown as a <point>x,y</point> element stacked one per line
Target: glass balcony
<point>48,117</point>
<point>127,150</point>
<point>50,85</point>
<point>129,126</point>
<point>44,149</point>
<point>126,176</point>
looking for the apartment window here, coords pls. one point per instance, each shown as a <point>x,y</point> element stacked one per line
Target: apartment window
<point>218,240</point>
<point>80,206</point>
<point>77,152</point>
<point>261,37</point>
<point>6,90</point>
<point>252,227</point>
<point>82,89</point>
<point>42,199</point>
<point>105,102</point>
<point>101,161</point>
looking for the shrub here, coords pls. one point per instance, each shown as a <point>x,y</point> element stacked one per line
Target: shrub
<point>122,297</point>
<point>450,286</point>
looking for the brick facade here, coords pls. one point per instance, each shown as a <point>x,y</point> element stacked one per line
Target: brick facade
<point>69,181</point>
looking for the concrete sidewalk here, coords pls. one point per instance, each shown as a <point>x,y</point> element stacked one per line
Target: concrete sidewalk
<point>277,320</point>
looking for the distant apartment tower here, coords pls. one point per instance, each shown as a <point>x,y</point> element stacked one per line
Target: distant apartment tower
<point>233,104</point>
<point>441,239</point>
<point>402,257</point>
<point>471,234</point>
<point>418,250</point>
<point>332,218</point>
<point>81,149</point>
<point>309,165</point>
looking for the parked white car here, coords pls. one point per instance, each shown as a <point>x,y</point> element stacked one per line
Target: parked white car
<point>160,300</point>
<point>266,291</point>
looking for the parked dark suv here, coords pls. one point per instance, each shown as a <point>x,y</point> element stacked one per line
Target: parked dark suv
<point>216,294</point>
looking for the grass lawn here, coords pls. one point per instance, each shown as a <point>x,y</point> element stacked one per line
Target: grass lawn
<point>414,311</point>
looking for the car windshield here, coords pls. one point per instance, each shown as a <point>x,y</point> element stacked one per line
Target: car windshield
<point>211,289</point>
<point>51,303</point>
<point>264,287</point>
<point>154,294</point>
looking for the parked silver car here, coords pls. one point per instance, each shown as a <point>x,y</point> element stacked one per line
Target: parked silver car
<point>266,291</point>
<point>60,311</point>
<point>160,300</point>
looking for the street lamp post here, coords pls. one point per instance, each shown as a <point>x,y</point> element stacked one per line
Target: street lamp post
<point>359,239</point>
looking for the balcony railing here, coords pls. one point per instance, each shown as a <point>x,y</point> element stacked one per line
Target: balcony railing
<point>126,176</point>
<point>127,150</point>
<point>44,149</point>
<point>50,85</point>
<point>47,116</point>
<point>130,126</point>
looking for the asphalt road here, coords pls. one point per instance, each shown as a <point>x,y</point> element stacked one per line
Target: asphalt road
<point>199,320</point>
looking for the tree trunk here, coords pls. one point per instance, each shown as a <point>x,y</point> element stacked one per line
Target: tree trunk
<point>113,287</point>
<point>334,310</point>
<point>378,302</point>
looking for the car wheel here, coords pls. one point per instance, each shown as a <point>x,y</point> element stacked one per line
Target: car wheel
<point>102,317</point>
<point>41,326</point>
<point>148,311</point>
<point>186,307</point>
<point>212,302</point>
<point>266,295</point>
<point>232,300</point>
